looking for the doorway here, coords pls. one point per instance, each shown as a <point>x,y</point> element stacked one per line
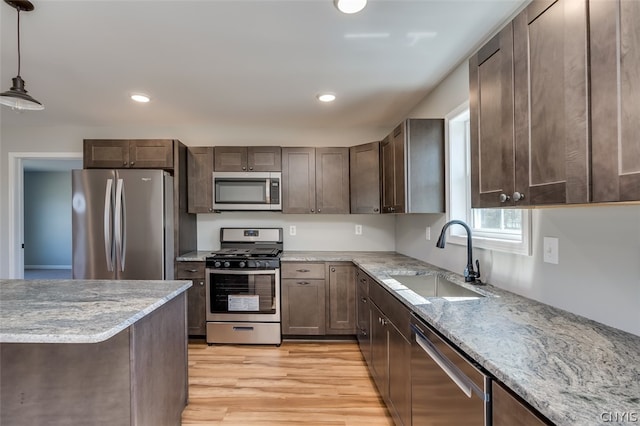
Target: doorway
<point>40,214</point>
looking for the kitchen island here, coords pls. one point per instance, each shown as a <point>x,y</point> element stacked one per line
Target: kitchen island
<point>93,352</point>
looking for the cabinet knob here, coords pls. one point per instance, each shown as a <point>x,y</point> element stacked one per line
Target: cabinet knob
<point>244,168</point>
<point>210,209</point>
<point>250,168</point>
<point>517,196</point>
<point>201,282</point>
<point>376,210</point>
<point>318,210</point>
<point>504,198</point>
<point>132,163</point>
<point>124,163</point>
<point>312,211</point>
<point>333,269</point>
<point>392,209</point>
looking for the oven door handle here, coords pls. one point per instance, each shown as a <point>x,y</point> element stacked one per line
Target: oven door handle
<point>242,272</point>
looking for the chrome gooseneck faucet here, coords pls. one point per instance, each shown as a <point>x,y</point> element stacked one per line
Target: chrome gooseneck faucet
<point>470,275</point>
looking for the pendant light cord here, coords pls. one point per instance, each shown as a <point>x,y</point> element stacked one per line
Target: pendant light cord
<point>18,42</point>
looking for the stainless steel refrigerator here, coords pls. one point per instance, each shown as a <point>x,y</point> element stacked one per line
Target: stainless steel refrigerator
<point>122,224</point>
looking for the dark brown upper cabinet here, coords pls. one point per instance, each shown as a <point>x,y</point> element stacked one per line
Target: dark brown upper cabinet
<point>615,84</point>
<point>315,180</point>
<point>200,179</point>
<point>364,173</point>
<point>413,167</point>
<point>123,153</point>
<point>491,122</point>
<point>248,159</point>
<point>551,103</point>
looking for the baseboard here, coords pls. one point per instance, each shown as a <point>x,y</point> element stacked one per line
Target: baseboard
<point>47,266</point>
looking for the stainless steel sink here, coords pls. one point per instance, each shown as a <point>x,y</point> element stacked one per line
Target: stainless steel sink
<point>435,286</point>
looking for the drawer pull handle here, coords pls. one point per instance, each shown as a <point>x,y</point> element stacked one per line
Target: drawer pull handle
<point>240,328</point>
<point>303,270</point>
<point>303,282</point>
<point>192,270</point>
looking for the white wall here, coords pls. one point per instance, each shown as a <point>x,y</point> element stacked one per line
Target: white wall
<point>598,275</point>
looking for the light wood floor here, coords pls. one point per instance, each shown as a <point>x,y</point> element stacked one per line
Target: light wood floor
<point>298,383</point>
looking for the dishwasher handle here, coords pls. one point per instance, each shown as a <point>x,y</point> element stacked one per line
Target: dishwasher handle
<point>465,384</point>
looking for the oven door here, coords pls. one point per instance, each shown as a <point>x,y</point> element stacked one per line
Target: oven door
<point>243,295</point>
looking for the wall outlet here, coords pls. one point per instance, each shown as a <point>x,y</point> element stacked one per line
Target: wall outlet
<point>358,230</point>
<point>427,233</point>
<point>292,230</point>
<point>550,250</point>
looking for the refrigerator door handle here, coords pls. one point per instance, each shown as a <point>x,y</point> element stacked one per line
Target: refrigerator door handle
<point>108,230</point>
<point>119,224</point>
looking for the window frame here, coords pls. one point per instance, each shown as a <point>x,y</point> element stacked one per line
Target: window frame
<point>481,239</point>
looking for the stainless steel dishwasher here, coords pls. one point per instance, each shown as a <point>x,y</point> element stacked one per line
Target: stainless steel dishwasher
<point>446,388</point>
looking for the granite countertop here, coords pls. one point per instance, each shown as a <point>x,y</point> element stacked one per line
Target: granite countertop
<point>77,311</point>
<point>573,370</point>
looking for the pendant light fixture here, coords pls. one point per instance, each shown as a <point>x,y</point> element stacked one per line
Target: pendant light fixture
<point>17,97</point>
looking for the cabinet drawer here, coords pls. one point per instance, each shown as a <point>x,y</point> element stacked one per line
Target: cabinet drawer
<point>190,270</point>
<point>394,310</point>
<point>303,270</point>
<point>362,281</point>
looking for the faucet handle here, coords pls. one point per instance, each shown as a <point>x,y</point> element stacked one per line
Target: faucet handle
<point>477,268</point>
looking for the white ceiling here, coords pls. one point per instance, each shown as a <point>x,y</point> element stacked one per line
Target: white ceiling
<point>237,62</point>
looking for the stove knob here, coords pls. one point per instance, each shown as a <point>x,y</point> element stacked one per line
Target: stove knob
<point>258,263</point>
<point>217,264</point>
<point>227,264</point>
<point>242,264</point>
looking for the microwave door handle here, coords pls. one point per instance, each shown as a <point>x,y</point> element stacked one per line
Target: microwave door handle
<point>267,191</point>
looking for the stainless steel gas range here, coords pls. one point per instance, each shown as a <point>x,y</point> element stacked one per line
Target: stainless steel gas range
<point>243,287</point>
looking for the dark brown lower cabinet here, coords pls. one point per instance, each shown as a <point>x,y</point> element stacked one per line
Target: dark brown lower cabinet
<point>303,306</point>
<point>341,299</point>
<point>391,363</point>
<point>508,410</point>
<point>363,313</point>
<point>196,309</point>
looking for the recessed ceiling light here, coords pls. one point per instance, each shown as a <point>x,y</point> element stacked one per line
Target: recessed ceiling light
<point>326,97</point>
<point>350,6</point>
<point>140,97</point>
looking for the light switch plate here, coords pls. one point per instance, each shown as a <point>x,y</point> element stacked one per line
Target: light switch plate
<point>427,233</point>
<point>358,230</point>
<point>292,230</point>
<point>550,250</point>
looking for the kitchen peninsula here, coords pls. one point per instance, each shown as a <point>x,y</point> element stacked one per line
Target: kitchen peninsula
<point>96,351</point>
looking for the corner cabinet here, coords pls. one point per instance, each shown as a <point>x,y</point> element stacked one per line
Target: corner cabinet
<point>412,159</point>
<point>200,179</point>
<point>364,173</point>
<point>121,153</point>
<point>315,180</point>
<point>615,84</point>
<point>196,310</point>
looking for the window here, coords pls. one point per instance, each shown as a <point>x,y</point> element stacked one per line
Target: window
<point>495,229</point>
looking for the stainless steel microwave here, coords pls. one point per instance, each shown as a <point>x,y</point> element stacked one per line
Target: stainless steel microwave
<point>247,191</point>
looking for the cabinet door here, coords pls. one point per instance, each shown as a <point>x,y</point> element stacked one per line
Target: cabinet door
<point>379,366</point>
<point>196,310</point>
<point>303,306</point>
<point>365,178</point>
<point>230,159</point>
<point>151,154</point>
<point>264,158</point>
<point>399,376</point>
<point>341,297</point>
<point>199,179</point>
<point>399,175</point>
<point>491,122</point>
<point>105,154</point>
<point>615,84</point>
<point>298,180</point>
<point>332,180</point>
<point>388,178</point>
<point>551,99</point>
<point>507,410</point>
